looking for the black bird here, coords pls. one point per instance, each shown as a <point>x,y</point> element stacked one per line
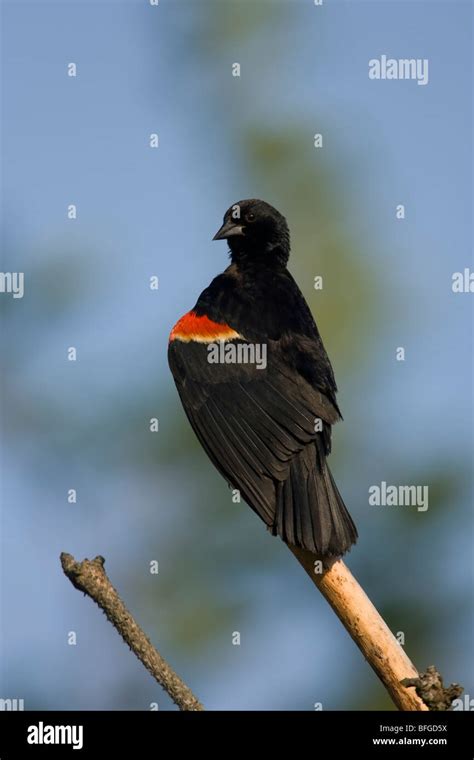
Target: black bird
<point>258,388</point>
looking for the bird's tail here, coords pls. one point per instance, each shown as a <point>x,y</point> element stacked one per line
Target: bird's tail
<point>310,510</point>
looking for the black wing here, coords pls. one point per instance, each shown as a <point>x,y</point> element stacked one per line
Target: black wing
<point>268,433</point>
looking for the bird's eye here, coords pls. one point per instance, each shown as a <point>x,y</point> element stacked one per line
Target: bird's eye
<point>250,217</point>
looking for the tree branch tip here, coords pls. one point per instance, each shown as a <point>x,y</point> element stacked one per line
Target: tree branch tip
<point>90,577</point>
<point>71,566</point>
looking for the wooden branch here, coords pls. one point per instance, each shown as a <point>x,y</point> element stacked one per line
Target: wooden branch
<point>364,624</point>
<point>90,577</point>
<point>408,689</point>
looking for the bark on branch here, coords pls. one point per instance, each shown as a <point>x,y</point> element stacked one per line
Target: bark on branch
<point>90,577</point>
<point>371,634</point>
<point>408,689</point>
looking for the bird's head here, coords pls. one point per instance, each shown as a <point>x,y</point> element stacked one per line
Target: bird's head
<point>256,233</point>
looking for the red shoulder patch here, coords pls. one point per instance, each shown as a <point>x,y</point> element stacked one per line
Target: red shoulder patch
<point>201,329</point>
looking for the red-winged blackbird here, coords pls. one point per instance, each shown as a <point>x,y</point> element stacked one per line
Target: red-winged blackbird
<point>258,388</point>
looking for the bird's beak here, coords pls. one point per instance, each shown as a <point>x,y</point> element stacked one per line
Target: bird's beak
<point>228,229</point>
